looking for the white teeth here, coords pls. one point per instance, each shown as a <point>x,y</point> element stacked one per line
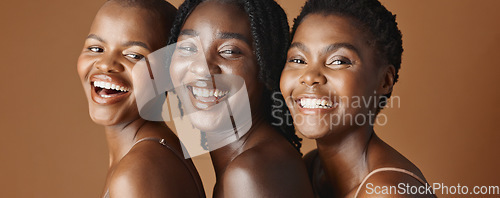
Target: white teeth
<point>201,84</point>
<point>205,93</point>
<point>107,85</point>
<point>202,92</point>
<point>315,103</point>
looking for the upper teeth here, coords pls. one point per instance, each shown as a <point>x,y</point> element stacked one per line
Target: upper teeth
<point>315,103</point>
<point>201,84</point>
<point>107,85</point>
<point>202,92</point>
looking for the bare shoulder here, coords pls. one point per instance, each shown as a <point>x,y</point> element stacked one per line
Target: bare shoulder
<point>395,175</point>
<point>267,170</point>
<point>383,155</point>
<point>394,184</point>
<point>150,170</point>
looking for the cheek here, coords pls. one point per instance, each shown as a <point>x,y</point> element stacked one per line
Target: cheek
<point>178,69</point>
<point>346,83</point>
<point>288,82</point>
<point>84,65</point>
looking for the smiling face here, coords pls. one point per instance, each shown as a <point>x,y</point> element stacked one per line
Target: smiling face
<point>213,62</point>
<point>119,37</point>
<point>330,65</point>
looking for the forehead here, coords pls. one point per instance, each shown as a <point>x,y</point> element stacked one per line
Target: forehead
<point>114,20</point>
<point>329,29</point>
<point>219,17</point>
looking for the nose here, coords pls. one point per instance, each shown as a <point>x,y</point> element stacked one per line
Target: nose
<point>108,63</point>
<point>203,66</point>
<point>313,76</point>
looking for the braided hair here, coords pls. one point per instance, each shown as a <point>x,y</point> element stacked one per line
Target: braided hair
<point>374,18</point>
<point>271,39</point>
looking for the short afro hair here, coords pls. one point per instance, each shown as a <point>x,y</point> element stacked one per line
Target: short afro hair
<point>372,16</point>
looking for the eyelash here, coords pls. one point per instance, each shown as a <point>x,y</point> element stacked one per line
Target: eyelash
<point>96,49</point>
<point>230,51</point>
<point>334,63</point>
<point>135,56</point>
<point>340,62</point>
<point>190,49</point>
<point>101,50</point>
<point>297,61</point>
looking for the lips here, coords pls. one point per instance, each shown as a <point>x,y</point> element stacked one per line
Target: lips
<point>107,89</point>
<point>203,96</point>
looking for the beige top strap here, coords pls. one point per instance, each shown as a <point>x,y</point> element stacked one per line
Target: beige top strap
<point>387,169</point>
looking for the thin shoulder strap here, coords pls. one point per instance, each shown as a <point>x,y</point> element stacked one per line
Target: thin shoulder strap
<point>159,140</point>
<point>387,169</point>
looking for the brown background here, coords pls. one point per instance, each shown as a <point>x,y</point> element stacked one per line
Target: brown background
<point>447,123</point>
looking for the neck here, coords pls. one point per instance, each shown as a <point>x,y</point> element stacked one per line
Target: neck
<point>121,138</point>
<point>344,158</point>
<point>223,156</point>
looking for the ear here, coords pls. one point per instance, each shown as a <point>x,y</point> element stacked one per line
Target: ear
<point>387,79</point>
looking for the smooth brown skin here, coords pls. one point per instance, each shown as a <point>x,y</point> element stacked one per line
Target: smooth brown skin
<point>261,163</point>
<point>148,169</point>
<point>345,154</point>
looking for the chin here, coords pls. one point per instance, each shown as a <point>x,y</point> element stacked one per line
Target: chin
<point>108,117</point>
<point>210,121</point>
<point>312,132</point>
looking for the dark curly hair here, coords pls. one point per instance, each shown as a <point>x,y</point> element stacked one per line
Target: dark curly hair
<point>373,17</point>
<point>271,39</point>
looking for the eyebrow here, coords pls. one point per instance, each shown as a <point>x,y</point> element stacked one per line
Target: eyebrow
<point>299,45</point>
<point>127,44</point>
<point>230,35</point>
<point>223,35</point>
<point>137,43</point>
<point>188,32</point>
<point>93,36</point>
<point>327,49</point>
<point>337,46</point>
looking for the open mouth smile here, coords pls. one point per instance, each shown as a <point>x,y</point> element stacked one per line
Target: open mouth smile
<point>108,91</point>
<point>203,97</point>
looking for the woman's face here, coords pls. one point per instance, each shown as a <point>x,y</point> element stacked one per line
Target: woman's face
<point>213,62</point>
<point>330,76</point>
<point>119,37</point>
